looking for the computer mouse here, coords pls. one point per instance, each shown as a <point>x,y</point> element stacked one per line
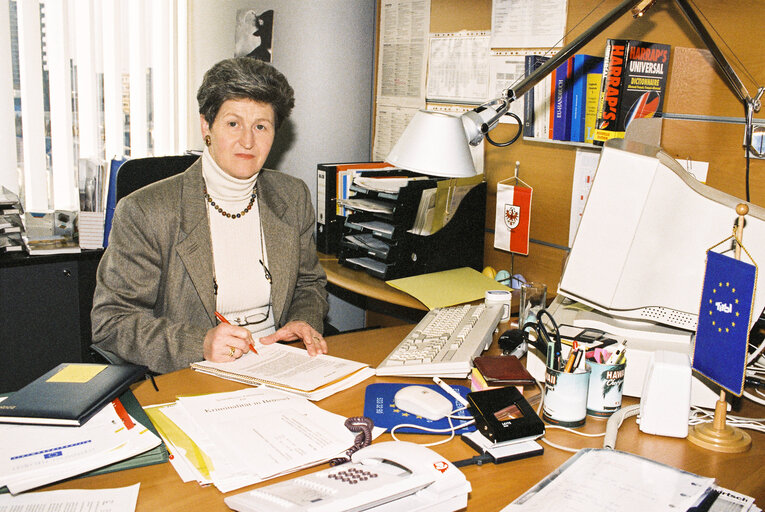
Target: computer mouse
<point>423,401</point>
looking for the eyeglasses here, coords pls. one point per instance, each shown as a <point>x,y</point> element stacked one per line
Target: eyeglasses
<point>253,319</point>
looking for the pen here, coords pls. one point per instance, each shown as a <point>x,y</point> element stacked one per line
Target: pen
<point>446,387</point>
<point>223,320</point>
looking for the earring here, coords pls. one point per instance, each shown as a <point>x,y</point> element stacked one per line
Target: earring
<point>208,140</point>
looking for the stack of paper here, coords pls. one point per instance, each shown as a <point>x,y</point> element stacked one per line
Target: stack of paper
<point>35,455</point>
<point>243,437</point>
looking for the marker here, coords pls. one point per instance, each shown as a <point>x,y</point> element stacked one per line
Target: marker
<point>223,320</point>
<point>446,387</point>
<point>617,353</point>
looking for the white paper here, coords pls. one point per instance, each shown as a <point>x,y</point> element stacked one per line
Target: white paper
<point>35,455</point>
<point>258,433</point>
<point>585,165</point>
<point>402,57</point>
<point>506,69</point>
<point>458,67</point>
<point>121,499</point>
<point>390,123</point>
<point>527,23</point>
<point>696,168</point>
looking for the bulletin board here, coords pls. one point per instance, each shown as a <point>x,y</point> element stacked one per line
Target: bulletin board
<point>695,89</point>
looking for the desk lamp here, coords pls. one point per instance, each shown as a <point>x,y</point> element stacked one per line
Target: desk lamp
<point>436,144</point>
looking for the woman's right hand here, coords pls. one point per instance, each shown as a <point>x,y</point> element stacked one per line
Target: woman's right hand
<point>225,343</point>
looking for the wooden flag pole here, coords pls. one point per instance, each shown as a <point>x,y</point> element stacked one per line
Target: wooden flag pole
<point>717,435</point>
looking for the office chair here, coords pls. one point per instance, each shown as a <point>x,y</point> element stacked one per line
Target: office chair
<point>131,176</point>
<point>139,172</point>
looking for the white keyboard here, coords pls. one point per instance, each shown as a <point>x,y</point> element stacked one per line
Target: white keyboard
<point>444,343</point>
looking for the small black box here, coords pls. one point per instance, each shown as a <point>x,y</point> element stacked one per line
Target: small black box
<point>503,414</point>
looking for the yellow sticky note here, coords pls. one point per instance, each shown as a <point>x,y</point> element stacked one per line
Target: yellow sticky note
<point>77,373</point>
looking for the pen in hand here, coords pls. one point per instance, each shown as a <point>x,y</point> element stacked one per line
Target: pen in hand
<point>223,320</point>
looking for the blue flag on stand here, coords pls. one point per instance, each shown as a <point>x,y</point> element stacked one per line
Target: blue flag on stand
<point>722,334</point>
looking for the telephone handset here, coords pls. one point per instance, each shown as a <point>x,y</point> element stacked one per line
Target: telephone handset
<point>390,476</point>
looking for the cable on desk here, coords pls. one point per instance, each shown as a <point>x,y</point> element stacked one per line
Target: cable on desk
<point>615,421</point>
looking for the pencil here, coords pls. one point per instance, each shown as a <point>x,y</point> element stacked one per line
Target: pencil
<point>223,320</point>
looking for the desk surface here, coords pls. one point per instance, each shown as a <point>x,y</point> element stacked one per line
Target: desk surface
<point>494,486</point>
<point>364,284</point>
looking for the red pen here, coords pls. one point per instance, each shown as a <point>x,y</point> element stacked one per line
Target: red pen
<point>223,320</point>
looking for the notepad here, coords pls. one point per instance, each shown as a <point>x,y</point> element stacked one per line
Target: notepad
<point>290,369</point>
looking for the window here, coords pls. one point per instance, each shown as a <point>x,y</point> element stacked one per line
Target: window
<point>87,79</point>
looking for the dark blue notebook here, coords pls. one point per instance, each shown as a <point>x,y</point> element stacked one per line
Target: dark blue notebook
<point>380,408</point>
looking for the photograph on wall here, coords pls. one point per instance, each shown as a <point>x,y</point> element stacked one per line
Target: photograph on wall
<point>253,34</point>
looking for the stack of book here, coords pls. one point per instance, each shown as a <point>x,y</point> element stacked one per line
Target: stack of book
<point>11,226</point>
<point>591,99</point>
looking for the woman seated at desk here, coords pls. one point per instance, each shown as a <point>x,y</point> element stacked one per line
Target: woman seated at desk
<point>224,236</point>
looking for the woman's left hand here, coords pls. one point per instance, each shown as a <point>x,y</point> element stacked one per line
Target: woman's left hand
<point>297,330</point>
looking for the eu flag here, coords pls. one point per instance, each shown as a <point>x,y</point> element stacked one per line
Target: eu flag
<point>723,329</point>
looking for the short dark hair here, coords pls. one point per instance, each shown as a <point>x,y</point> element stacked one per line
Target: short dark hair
<point>245,78</point>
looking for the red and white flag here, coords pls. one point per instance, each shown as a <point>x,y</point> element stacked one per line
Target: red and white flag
<point>511,226</point>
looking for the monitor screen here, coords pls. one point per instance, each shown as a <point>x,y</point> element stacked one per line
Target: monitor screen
<point>640,249</point>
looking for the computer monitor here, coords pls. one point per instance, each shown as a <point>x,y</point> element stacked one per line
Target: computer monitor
<point>639,257</point>
<point>640,250</point>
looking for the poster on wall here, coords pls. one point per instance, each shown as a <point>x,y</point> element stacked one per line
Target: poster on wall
<point>253,34</point>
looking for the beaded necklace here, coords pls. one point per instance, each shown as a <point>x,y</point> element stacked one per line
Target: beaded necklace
<point>223,212</point>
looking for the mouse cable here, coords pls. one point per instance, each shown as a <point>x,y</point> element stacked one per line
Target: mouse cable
<point>449,430</point>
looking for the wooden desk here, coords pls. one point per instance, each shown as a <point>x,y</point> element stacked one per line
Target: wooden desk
<point>494,486</point>
<point>364,284</point>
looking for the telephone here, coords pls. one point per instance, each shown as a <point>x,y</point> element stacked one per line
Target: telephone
<point>394,476</point>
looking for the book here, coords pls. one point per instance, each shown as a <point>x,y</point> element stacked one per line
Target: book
<point>531,103</point>
<point>644,82</point>
<point>591,104</point>
<point>637,79</point>
<point>69,394</point>
<point>503,371</point>
<point>583,66</point>
<point>290,369</point>
<point>551,89</point>
<point>562,98</point>
<point>379,406</point>
<point>610,91</point>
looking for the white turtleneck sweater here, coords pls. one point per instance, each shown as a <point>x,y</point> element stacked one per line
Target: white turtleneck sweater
<point>243,290</point>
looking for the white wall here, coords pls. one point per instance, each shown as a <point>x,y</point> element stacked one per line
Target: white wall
<point>325,48</point>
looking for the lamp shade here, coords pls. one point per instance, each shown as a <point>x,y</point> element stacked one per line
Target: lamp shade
<point>435,144</point>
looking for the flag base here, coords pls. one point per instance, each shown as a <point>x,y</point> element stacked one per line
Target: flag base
<point>717,435</point>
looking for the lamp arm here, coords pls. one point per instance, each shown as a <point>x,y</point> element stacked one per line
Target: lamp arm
<point>570,49</point>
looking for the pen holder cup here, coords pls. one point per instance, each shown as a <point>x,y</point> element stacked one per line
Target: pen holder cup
<point>604,396</point>
<point>565,397</point>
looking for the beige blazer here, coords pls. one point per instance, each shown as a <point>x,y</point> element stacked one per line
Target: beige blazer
<point>154,298</point>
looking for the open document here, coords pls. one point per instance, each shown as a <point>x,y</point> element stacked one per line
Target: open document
<point>35,455</point>
<point>290,369</point>
<point>243,437</point>
<point>605,480</point>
